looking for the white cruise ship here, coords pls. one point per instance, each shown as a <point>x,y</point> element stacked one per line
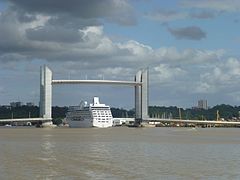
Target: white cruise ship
<point>93,115</point>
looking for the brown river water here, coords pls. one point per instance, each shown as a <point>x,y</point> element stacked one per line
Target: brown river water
<point>119,153</point>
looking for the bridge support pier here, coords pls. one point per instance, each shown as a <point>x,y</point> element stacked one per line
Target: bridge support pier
<point>48,124</point>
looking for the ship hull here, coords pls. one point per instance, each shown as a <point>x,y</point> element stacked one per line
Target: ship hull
<point>80,124</point>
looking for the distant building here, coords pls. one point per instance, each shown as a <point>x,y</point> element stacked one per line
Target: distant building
<point>16,104</point>
<point>29,104</point>
<point>6,106</point>
<point>202,104</point>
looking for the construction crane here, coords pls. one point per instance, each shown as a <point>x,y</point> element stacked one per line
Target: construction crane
<point>218,116</point>
<point>180,114</point>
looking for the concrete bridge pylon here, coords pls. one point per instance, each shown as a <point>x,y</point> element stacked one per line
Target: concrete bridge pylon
<point>141,96</point>
<point>45,92</point>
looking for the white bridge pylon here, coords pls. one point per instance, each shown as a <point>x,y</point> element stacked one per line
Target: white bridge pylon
<point>140,83</point>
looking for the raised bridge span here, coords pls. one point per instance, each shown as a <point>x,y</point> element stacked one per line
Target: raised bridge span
<point>110,82</point>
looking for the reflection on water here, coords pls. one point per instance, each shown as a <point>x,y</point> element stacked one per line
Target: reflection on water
<point>120,153</point>
<point>47,147</point>
<point>47,157</point>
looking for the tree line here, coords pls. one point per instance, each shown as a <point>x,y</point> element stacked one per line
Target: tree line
<point>225,111</point>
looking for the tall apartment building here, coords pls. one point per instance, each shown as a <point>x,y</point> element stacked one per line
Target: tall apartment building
<point>16,104</point>
<point>202,104</point>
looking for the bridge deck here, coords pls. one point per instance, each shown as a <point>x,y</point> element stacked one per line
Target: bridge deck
<point>192,121</point>
<point>146,120</point>
<point>25,119</point>
<point>128,83</point>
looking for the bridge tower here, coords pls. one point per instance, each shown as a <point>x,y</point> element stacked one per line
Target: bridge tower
<point>145,94</point>
<point>138,97</point>
<point>45,92</point>
<point>141,96</point>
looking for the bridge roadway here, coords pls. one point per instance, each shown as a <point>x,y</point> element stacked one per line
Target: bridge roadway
<point>145,120</point>
<point>26,120</point>
<point>128,83</point>
<point>191,121</point>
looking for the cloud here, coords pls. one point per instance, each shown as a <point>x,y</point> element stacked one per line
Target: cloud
<point>43,37</point>
<point>224,73</point>
<point>164,73</point>
<point>72,41</point>
<point>2,90</point>
<point>166,15</point>
<point>190,33</point>
<point>82,48</point>
<point>202,15</point>
<point>89,47</point>
<point>218,5</point>
<point>118,11</point>
<point>54,34</point>
<point>189,56</point>
<point>55,39</point>
<point>235,96</point>
<point>221,77</point>
<point>236,20</point>
<point>203,88</point>
<point>190,9</point>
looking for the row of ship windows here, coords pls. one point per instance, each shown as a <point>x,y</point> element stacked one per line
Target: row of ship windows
<point>103,118</point>
<point>103,121</point>
<point>101,111</point>
<point>100,115</point>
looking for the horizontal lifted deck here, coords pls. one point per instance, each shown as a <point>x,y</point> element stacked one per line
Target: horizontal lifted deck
<point>127,83</point>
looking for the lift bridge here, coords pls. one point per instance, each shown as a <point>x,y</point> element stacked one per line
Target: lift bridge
<point>140,83</point>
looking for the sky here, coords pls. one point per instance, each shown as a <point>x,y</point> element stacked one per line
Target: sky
<point>190,47</point>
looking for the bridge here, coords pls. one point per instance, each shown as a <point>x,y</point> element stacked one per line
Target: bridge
<point>140,84</point>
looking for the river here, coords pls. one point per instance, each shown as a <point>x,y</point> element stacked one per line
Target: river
<point>120,153</point>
